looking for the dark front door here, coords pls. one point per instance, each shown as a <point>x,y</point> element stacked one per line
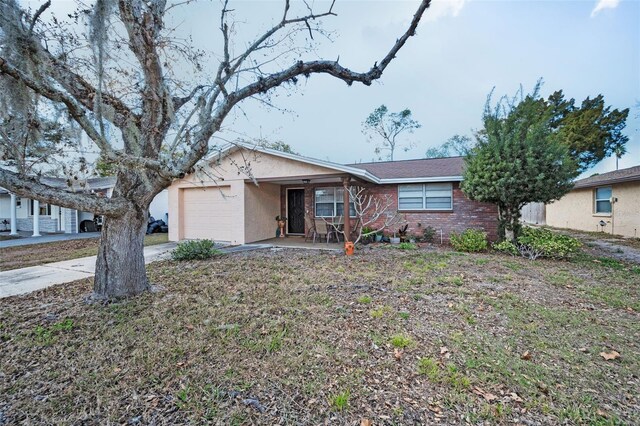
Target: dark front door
<point>295,211</point>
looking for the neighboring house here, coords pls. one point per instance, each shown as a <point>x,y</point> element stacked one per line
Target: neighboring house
<point>612,199</point>
<point>242,189</point>
<point>32,216</point>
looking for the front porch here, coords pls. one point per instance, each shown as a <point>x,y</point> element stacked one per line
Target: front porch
<point>315,204</point>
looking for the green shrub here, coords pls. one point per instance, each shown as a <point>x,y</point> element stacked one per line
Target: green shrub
<point>194,250</point>
<point>428,234</point>
<point>548,244</point>
<point>470,240</point>
<point>506,247</point>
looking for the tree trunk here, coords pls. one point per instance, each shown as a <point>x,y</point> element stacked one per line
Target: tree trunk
<point>509,217</point>
<point>509,235</point>
<point>120,270</point>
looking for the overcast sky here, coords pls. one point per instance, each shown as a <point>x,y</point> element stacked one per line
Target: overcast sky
<point>462,50</point>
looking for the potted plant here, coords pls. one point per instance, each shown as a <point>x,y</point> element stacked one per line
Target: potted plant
<point>402,233</point>
<point>367,234</point>
<point>281,222</point>
<point>378,236</point>
<point>394,239</point>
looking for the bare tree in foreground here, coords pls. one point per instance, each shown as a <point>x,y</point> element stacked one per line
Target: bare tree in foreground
<point>127,82</point>
<point>372,212</point>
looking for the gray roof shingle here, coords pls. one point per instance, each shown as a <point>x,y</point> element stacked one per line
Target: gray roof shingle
<point>624,175</point>
<point>419,168</point>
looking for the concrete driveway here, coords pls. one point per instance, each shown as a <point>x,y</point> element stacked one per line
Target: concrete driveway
<point>26,280</point>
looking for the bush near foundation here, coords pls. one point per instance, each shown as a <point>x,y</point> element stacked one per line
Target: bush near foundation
<point>195,250</point>
<point>471,240</point>
<point>545,243</point>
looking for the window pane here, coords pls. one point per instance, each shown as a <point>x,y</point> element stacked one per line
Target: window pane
<point>603,193</point>
<point>352,209</point>
<point>325,202</point>
<point>410,197</point>
<point>324,209</point>
<point>324,195</point>
<point>438,189</point>
<point>409,191</point>
<point>439,203</point>
<point>438,186</point>
<point>603,206</point>
<point>410,204</point>
<point>438,193</point>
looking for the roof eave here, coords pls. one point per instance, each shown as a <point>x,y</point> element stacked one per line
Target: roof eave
<point>422,179</point>
<point>606,182</point>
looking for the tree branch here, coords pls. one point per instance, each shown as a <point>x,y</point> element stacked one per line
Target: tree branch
<point>30,187</point>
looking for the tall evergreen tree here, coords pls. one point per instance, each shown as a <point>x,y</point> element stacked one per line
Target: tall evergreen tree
<point>519,159</point>
<point>591,131</point>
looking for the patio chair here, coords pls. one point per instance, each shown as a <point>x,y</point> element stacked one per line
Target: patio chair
<point>325,229</point>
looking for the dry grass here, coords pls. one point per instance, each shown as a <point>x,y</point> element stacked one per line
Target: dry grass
<point>284,337</point>
<point>39,254</point>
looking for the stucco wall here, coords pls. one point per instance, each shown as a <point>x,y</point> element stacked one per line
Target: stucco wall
<point>576,211</point>
<point>233,171</point>
<point>234,192</point>
<point>261,166</point>
<point>262,205</point>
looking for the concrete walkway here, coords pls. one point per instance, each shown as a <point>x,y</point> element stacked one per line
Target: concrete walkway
<point>50,238</point>
<point>26,280</point>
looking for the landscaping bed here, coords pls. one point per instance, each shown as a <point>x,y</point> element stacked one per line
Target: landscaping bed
<point>289,336</point>
<point>39,254</point>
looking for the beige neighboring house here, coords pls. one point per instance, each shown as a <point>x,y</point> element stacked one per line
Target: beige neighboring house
<point>610,199</point>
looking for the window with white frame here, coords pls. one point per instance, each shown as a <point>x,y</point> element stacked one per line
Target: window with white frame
<point>45,209</point>
<point>603,200</point>
<point>329,202</point>
<point>425,196</point>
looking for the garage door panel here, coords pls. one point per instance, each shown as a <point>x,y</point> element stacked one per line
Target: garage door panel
<point>207,213</point>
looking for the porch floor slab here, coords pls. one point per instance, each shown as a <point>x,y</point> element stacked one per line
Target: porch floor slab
<point>299,242</point>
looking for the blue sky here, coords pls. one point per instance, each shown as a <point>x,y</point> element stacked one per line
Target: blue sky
<point>463,49</point>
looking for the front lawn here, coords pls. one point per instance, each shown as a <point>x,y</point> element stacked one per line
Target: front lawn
<point>39,254</point>
<point>307,337</point>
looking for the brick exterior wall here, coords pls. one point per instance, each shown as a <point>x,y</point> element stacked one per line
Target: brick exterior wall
<point>465,213</point>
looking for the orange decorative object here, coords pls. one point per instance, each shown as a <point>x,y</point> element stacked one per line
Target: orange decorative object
<point>348,248</point>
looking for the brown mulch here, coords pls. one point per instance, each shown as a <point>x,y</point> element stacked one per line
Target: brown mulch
<point>281,336</point>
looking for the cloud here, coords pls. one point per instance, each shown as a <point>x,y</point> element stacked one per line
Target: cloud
<point>604,4</point>
<point>442,8</point>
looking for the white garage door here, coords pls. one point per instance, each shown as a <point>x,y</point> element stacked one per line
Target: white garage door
<point>207,213</point>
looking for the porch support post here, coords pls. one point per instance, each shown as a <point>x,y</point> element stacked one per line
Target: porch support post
<point>345,208</point>
<point>14,221</point>
<point>36,218</point>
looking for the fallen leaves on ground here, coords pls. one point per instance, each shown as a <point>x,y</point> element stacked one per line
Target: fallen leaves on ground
<point>610,355</point>
<point>278,337</point>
